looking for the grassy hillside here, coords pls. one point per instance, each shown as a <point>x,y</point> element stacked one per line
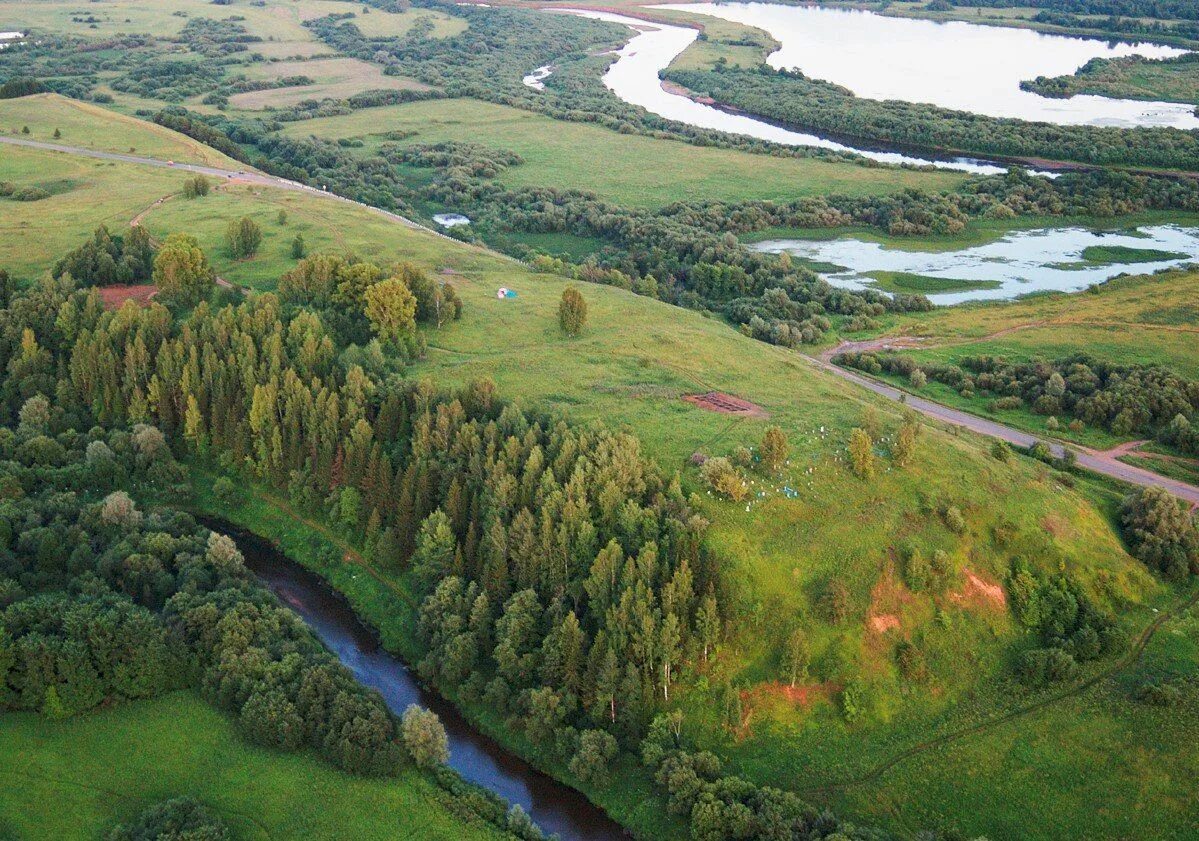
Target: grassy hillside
<point>636,171</point>
<point>92,127</point>
<point>1151,319</point>
<point>635,361</point>
<point>75,779</point>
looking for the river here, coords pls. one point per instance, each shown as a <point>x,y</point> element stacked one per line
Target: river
<point>555,807</point>
<point>634,78</point>
<point>964,66</point>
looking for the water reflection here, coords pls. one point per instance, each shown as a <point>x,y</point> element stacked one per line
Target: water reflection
<point>556,808</point>
<point>965,66</point>
<point>634,78</point>
<point>1019,263</point>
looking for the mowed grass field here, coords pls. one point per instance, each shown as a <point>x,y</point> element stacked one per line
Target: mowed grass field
<point>631,367</point>
<point>628,169</point>
<point>76,779</point>
<point>89,126</point>
<point>276,21</point>
<point>335,78</point>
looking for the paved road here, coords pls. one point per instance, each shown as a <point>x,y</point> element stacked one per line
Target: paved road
<point>1090,459</point>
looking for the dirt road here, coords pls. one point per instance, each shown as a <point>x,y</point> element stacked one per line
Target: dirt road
<point>1106,463</point>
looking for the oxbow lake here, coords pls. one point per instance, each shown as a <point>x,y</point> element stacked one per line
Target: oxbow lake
<point>634,78</point>
<point>964,66</point>
<point>1020,263</point>
<point>957,65</point>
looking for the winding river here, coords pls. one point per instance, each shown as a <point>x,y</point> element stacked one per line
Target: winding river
<point>556,808</point>
<point>964,66</point>
<point>956,65</point>
<point>634,78</point>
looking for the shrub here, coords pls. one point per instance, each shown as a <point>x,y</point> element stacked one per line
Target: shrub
<point>424,737</point>
<point>572,311</point>
<point>723,478</point>
<point>182,819</point>
<point>1160,532</point>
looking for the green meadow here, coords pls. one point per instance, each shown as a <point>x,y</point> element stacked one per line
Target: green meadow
<point>637,171</point>
<point>76,779</point>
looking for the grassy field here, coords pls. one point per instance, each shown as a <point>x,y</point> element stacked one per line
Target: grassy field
<point>92,127</point>
<point>34,234</point>
<point>637,171</point>
<point>76,779</point>
<point>336,78</point>
<point>1150,319</point>
<point>907,282</point>
<point>276,21</point>
<point>630,368</point>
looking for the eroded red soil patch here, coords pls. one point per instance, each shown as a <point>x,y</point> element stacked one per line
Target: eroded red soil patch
<point>887,600</point>
<point>803,695</point>
<point>725,404</point>
<point>885,622</point>
<point>977,590</point>
<point>114,296</point>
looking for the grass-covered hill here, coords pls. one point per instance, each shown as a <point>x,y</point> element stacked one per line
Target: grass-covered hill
<point>896,660</point>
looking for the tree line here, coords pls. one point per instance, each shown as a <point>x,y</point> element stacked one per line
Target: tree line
<point>792,98</point>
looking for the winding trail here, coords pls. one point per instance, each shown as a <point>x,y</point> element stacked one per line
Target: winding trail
<point>1130,659</point>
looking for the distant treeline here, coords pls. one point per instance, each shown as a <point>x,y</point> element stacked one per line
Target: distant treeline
<point>794,99</point>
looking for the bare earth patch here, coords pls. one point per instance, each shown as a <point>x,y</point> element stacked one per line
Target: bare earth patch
<point>114,296</point>
<point>885,622</point>
<point>726,404</point>
<point>977,590</point>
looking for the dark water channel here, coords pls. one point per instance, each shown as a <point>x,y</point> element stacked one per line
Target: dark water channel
<point>556,808</point>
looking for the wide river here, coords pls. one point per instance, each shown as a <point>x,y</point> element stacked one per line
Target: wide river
<point>956,65</point>
<point>1022,262</point>
<point>634,78</point>
<point>965,66</point>
<point>556,808</point>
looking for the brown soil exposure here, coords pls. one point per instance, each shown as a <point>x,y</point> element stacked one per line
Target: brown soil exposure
<point>976,589</point>
<point>884,623</point>
<point>726,404</point>
<point>114,296</point>
<point>802,695</point>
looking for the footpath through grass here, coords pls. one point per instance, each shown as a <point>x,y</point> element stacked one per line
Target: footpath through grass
<point>75,779</point>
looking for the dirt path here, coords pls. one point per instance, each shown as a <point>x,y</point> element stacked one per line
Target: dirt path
<point>1130,659</point>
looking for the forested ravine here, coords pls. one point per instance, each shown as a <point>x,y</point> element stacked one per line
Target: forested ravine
<point>555,807</point>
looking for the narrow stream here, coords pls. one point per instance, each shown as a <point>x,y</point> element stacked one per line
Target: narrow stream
<point>555,807</point>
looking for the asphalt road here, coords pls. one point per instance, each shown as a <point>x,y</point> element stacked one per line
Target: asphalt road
<point>1090,459</point>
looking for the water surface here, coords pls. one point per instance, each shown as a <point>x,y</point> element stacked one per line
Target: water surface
<point>965,66</point>
<point>556,808</point>
<point>1020,263</point>
<point>634,78</point>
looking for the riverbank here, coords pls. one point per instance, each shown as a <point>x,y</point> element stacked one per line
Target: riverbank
<point>383,602</point>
